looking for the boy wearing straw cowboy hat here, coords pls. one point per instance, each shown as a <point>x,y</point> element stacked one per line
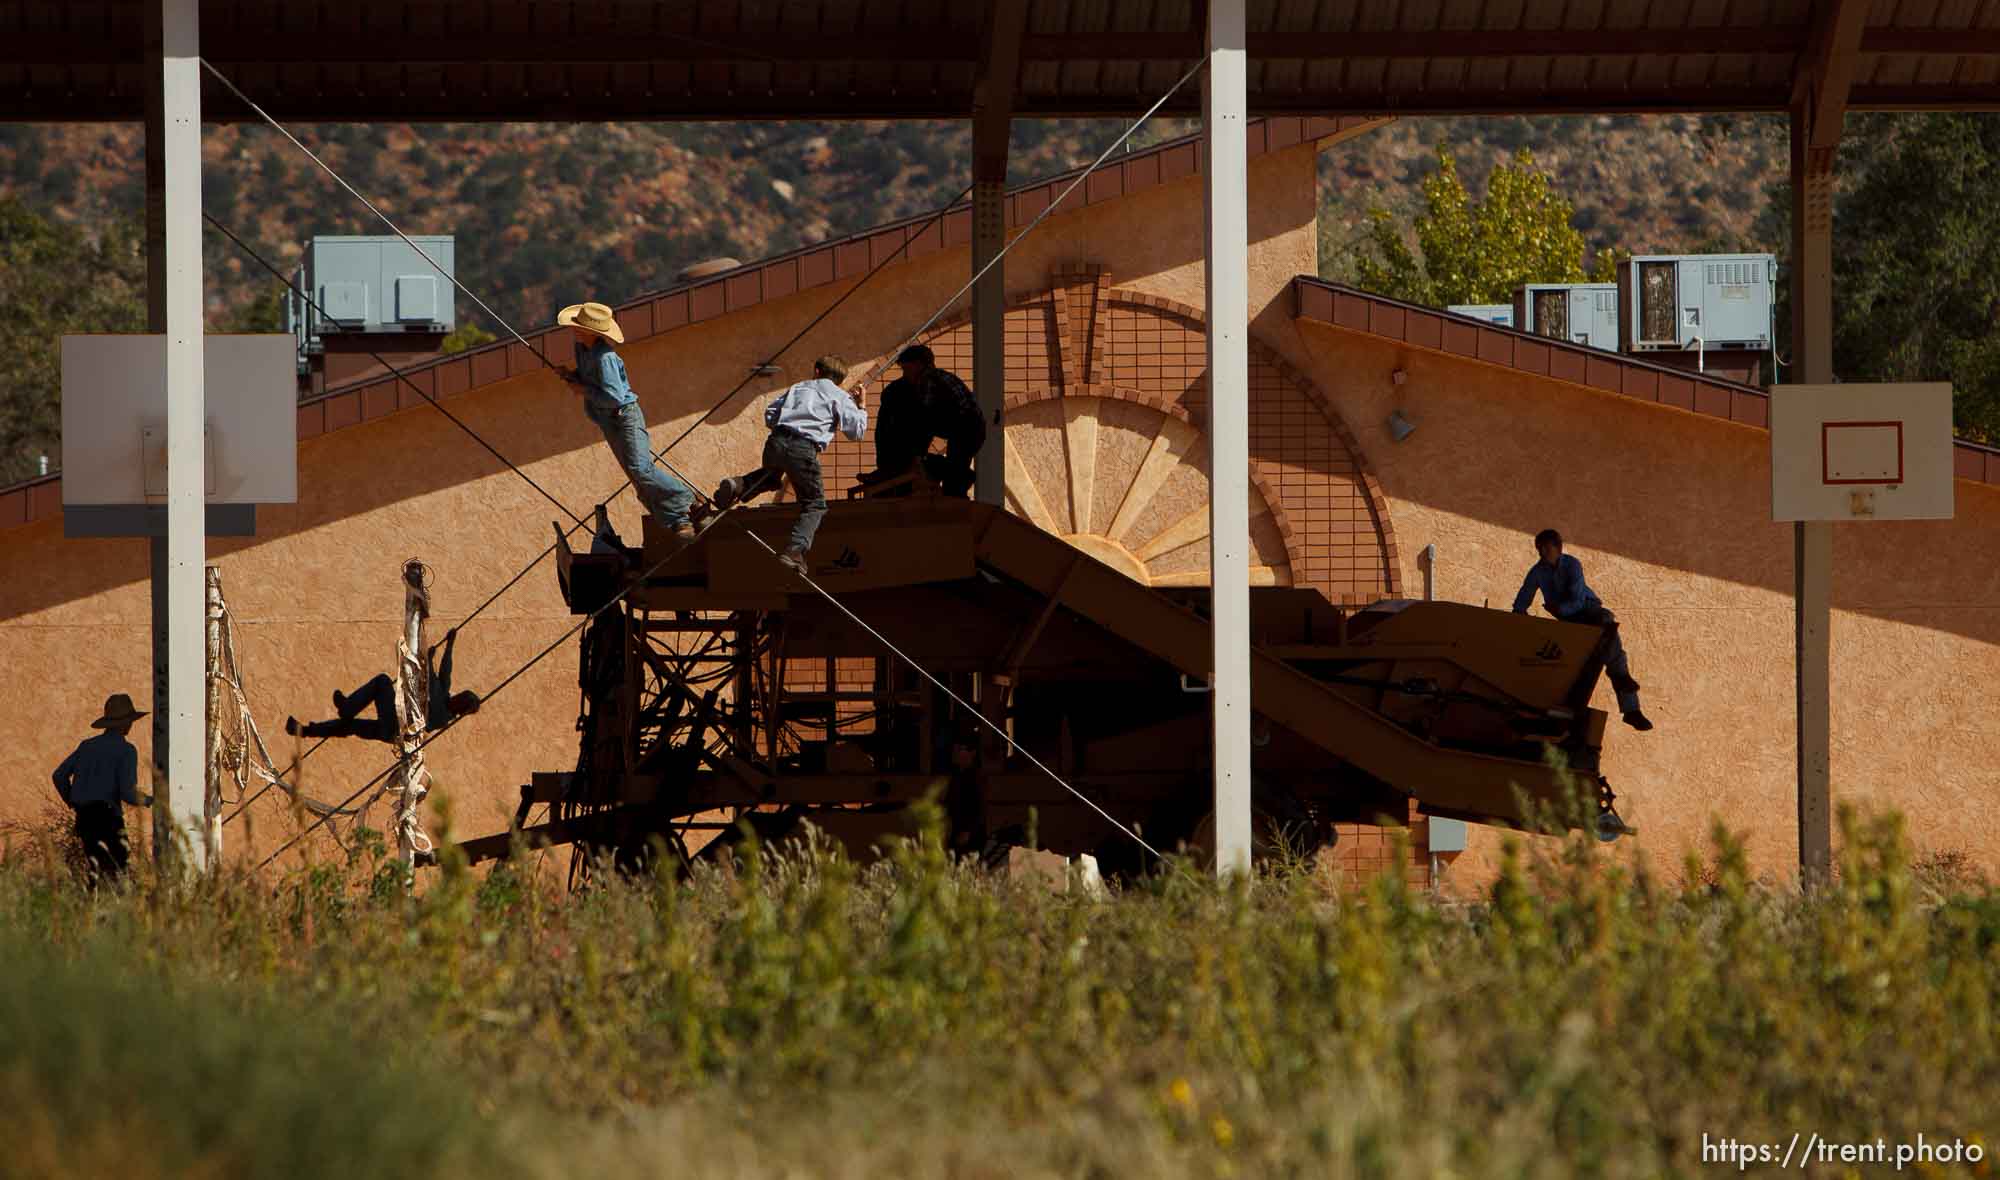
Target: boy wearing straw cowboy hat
<point>97,779</point>
<point>608,400</point>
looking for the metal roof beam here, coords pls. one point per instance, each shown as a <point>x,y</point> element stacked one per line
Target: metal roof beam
<point>1824,77</point>
<point>994,86</point>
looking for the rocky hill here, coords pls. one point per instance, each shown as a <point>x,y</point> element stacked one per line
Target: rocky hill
<point>542,211</point>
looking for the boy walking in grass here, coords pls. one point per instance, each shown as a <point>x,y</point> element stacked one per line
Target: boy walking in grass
<point>98,779</point>
<point>802,421</point>
<point>608,401</point>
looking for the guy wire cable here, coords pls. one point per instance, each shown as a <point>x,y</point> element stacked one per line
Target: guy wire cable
<point>421,253</point>
<point>659,455</point>
<point>394,371</point>
<point>731,395</point>
<point>1002,734</point>
<point>740,386</point>
<point>651,570</point>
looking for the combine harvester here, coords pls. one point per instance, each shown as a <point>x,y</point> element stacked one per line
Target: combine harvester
<point>724,687</point>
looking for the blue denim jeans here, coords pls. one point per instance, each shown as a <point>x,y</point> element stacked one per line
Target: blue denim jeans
<point>624,427</point>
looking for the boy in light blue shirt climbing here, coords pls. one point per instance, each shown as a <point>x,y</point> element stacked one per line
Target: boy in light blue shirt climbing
<point>803,420</point>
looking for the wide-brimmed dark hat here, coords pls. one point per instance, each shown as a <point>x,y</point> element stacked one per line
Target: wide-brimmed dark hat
<point>118,710</point>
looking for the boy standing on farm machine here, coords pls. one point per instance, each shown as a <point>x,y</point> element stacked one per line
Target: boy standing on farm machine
<point>608,401</point>
<point>1559,578</point>
<point>802,421</point>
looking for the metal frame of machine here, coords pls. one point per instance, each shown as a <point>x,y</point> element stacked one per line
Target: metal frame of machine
<point>723,688</point>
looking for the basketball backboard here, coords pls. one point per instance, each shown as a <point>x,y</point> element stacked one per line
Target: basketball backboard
<point>114,414</point>
<point>1861,452</point>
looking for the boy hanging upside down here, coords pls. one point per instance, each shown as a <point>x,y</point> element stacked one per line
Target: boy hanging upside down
<point>802,421</point>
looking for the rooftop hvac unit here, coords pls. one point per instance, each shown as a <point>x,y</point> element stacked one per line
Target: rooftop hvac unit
<point>1680,302</point>
<point>376,284</point>
<point>1581,313</point>
<point>1498,314</point>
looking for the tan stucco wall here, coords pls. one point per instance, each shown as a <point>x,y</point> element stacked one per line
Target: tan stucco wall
<point>315,595</point>
<point>1670,514</point>
<point>1668,511</point>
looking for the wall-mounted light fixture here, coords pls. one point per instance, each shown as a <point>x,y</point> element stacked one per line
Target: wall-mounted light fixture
<point>1398,377</point>
<point>1400,427</point>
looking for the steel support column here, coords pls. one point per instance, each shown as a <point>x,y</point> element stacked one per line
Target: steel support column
<point>989,308</point>
<point>180,822</point>
<point>992,125</point>
<point>1225,104</point>
<point>1812,541</point>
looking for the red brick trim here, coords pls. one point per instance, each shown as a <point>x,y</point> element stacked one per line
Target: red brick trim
<point>1261,477</point>
<point>1440,331</point>
<point>1378,503</point>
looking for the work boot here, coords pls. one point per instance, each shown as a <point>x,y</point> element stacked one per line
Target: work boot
<point>795,560</point>
<point>699,512</point>
<point>1637,720</point>
<point>728,492</point>
<point>682,532</point>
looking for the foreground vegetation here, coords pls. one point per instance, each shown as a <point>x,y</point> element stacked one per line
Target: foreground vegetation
<point>796,1015</point>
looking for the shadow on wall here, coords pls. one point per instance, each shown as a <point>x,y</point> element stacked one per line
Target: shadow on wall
<point>404,456</point>
<point>1644,486</point>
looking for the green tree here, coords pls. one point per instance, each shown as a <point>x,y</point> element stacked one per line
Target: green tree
<point>265,313</point>
<point>467,335</point>
<point>55,280</point>
<point>1916,266</point>
<point>1476,251</point>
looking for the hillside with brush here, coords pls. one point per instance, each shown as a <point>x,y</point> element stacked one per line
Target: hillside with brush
<point>548,213</point>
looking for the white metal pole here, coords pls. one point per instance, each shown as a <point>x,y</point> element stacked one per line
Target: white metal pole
<point>182,794</point>
<point>1225,104</point>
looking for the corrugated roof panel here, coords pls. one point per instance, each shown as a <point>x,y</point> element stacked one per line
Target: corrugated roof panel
<point>1911,14</point>
<point>1937,71</point>
<point>1089,16</point>
<point>1136,16</point>
<point>1076,78</point>
<point>1895,69</point>
<point>1418,16</point>
<point>1294,16</point>
<point>1377,16</point>
<point>1404,75</point>
<point>1487,74</point>
<point>1653,72</point>
<point>1544,15</point>
<point>1466,15</point>
<point>1626,14</point>
<point>1529,74</point>
<point>1443,73</point>
<point>1119,77</point>
<point>1502,14</point>
<point>1568,73</point>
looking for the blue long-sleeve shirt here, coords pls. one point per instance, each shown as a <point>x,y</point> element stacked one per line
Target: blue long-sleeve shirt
<point>603,375</point>
<point>103,769</point>
<point>1563,589</point>
<point>815,409</point>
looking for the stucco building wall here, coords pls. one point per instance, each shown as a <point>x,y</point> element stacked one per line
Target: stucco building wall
<point>1670,514</point>
<point>1668,511</point>
<point>315,594</point>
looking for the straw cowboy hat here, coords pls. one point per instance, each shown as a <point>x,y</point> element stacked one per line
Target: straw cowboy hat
<point>591,317</point>
<point>118,710</point>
